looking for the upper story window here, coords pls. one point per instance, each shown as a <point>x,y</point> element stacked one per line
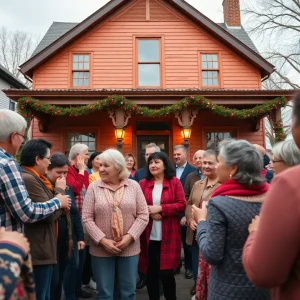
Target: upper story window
<point>149,62</point>
<point>210,69</point>
<point>213,138</point>
<point>81,70</point>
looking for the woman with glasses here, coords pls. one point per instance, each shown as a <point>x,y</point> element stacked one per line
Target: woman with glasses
<point>42,235</point>
<point>285,155</point>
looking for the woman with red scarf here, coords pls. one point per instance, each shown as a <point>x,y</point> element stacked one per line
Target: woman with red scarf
<point>223,226</point>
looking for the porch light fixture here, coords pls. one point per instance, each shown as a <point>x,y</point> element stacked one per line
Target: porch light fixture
<point>119,133</point>
<point>186,135</point>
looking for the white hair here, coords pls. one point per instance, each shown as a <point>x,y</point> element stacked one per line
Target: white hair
<point>10,122</point>
<point>288,152</point>
<point>77,149</point>
<point>114,156</point>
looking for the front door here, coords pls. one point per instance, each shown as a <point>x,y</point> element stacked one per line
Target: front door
<point>162,141</point>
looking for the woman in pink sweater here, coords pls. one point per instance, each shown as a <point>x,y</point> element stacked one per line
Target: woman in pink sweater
<point>115,214</point>
<point>271,256</point>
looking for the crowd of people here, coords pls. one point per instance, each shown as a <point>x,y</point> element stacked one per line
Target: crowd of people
<point>98,221</point>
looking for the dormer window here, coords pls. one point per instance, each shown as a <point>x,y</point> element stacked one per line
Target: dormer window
<point>210,70</point>
<point>148,62</point>
<point>81,70</point>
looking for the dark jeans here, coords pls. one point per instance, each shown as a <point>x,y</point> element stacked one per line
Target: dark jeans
<point>70,275</point>
<point>42,278</point>
<point>64,273</point>
<point>186,250</point>
<point>58,271</point>
<point>83,273</point>
<point>195,259</point>
<point>154,273</point>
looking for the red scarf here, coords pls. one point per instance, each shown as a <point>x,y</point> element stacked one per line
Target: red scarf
<point>232,188</point>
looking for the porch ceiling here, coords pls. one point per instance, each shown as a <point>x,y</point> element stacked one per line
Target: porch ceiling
<point>151,97</point>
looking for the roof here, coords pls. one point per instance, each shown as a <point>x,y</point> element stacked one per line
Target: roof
<point>11,79</point>
<point>60,35</point>
<point>157,96</point>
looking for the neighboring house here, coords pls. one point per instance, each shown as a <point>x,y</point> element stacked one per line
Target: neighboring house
<point>155,53</point>
<point>7,81</point>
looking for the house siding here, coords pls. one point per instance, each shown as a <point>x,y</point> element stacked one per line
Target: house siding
<point>112,46</point>
<point>4,100</point>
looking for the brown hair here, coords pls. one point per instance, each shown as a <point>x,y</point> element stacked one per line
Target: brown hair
<point>131,155</point>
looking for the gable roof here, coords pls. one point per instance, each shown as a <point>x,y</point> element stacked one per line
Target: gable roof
<point>60,35</point>
<point>11,79</point>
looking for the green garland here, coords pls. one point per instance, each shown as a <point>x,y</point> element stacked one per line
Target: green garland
<point>27,106</point>
<point>280,134</point>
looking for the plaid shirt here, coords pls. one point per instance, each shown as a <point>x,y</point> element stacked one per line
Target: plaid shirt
<point>16,207</point>
<point>172,202</point>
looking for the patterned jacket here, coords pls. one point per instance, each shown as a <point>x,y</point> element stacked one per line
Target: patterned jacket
<point>172,203</point>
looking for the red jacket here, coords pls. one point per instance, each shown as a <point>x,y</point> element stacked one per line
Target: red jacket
<point>76,181</point>
<point>172,202</point>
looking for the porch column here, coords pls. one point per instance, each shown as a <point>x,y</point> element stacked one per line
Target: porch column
<point>186,119</point>
<point>120,120</point>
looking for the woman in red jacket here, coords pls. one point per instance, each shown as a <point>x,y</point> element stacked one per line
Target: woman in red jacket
<point>160,242</point>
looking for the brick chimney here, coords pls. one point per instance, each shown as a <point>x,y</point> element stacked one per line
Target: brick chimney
<point>232,13</point>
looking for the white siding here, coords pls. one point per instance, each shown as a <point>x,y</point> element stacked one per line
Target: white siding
<point>4,100</point>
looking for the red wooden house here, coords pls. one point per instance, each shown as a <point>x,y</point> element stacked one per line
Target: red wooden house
<point>154,53</point>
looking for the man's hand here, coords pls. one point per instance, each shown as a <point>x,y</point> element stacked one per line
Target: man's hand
<point>193,225</point>
<point>65,201</point>
<point>16,238</point>
<point>156,217</point>
<point>183,221</point>
<point>61,182</point>
<point>126,240</point>
<point>110,246</point>
<point>81,245</point>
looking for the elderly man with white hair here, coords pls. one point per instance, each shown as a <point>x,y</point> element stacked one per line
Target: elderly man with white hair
<point>16,206</point>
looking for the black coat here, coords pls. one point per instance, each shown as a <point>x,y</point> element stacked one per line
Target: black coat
<point>221,240</point>
<point>140,174</point>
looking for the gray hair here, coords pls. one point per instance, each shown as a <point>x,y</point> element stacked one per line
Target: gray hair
<point>114,156</point>
<point>288,152</point>
<point>177,147</point>
<point>153,145</point>
<point>246,158</point>
<point>210,152</point>
<point>77,149</point>
<point>10,122</point>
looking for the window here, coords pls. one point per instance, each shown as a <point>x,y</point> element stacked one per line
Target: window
<point>81,70</point>
<point>88,139</point>
<point>210,69</point>
<point>149,62</point>
<point>12,105</point>
<point>214,138</point>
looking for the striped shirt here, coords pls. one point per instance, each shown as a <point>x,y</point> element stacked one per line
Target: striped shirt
<point>16,207</point>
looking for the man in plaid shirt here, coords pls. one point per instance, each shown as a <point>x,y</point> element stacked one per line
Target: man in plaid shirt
<point>16,207</point>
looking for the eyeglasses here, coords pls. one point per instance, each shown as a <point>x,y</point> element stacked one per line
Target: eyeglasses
<point>276,161</point>
<point>23,136</point>
<point>48,157</point>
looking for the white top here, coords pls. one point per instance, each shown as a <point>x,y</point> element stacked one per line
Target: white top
<point>156,232</point>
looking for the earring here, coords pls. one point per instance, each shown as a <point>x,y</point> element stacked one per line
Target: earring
<point>230,175</point>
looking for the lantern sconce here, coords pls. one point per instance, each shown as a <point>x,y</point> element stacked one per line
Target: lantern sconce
<point>119,133</point>
<point>186,135</point>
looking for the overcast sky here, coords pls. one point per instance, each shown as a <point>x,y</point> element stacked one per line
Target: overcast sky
<point>36,16</point>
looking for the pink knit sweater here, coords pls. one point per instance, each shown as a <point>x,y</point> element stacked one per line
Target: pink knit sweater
<point>97,212</point>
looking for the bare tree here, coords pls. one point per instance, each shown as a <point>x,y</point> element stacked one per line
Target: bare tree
<point>277,24</point>
<point>15,48</point>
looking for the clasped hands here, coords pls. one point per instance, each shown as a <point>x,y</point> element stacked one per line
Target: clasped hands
<point>154,211</point>
<point>198,214</point>
<point>116,247</point>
